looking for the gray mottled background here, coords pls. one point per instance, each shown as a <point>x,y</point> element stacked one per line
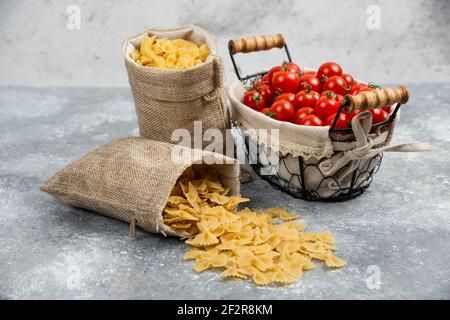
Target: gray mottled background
<point>37,48</point>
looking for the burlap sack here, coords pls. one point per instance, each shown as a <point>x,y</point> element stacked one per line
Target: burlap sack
<point>130,179</point>
<point>169,99</point>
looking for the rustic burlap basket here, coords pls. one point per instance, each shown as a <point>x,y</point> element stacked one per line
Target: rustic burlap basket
<point>308,162</point>
<point>130,179</point>
<point>169,99</point>
<point>315,163</point>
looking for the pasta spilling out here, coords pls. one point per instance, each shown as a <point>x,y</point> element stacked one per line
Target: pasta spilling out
<point>268,246</point>
<point>169,54</point>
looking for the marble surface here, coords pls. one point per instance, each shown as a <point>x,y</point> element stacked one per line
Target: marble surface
<point>399,227</point>
<point>411,44</point>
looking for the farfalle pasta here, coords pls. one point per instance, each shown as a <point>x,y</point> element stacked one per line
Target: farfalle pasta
<point>169,54</point>
<point>265,246</point>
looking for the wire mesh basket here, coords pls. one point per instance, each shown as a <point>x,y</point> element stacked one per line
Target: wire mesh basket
<point>309,178</point>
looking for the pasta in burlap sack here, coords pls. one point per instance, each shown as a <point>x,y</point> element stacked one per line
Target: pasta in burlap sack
<point>131,179</point>
<point>327,165</point>
<point>170,99</point>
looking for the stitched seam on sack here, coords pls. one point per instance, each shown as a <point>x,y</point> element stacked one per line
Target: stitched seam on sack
<point>177,100</point>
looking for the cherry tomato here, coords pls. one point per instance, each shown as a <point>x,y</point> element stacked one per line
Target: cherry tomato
<point>325,107</point>
<point>305,99</point>
<point>300,114</point>
<point>265,79</point>
<point>361,87</point>
<point>286,96</point>
<point>378,115</point>
<point>267,92</point>
<point>267,111</point>
<point>332,95</point>
<point>286,81</point>
<point>272,72</point>
<point>283,110</point>
<point>309,82</point>
<point>312,120</point>
<point>257,84</point>
<point>314,73</point>
<point>290,66</point>
<point>354,114</point>
<point>342,122</point>
<point>349,79</point>
<point>336,84</point>
<point>254,100</point>
<point>328,70</point>
<point>329,94</point>
<point>387,109</point>
<point>339,99</point>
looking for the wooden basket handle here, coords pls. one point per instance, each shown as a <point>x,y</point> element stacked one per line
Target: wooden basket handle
<point>377,98</point>
<point>256,43</point>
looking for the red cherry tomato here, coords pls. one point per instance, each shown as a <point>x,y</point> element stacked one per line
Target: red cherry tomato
<point>286,96</point>
<point>325,107</point>
<point>290,66</point>
<point>339,99</point>
<point>328,70</point>
<point>378,115</point>
<point>283,110</point>
<point>257,84</point>
<point>310,82</point>
<point>361,87</point>
<point>349,79</point>
<point>332,95</point>
<point>305,99</point>
<point>254,100</point>
<point>336,84</point>
<point>265,79</point>
<point>312,120</point>
<point>342,122</point>
<point>354,114</point>
<point>267,92</point>
<point>300,114</point>
<point>267,111</point>
<point>286,81</point>
<point>387,109</point>
<point>329,94</point>
<point>272,72</point>
<point>314,73</point>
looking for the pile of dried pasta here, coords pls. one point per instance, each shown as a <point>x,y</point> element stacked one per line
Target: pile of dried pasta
<point>268,246</point>
<point>169,54</point>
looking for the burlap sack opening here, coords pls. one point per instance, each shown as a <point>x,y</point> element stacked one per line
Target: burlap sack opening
<point>170,99</point>
<point>131,179</point>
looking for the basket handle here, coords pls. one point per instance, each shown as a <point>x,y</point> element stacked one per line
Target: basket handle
<point>256,43</point>
<point>377,98</point>
<point>253,44</point>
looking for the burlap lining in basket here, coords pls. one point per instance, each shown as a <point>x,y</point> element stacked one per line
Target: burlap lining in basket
<point>308,142</point>
<point>130,179</point>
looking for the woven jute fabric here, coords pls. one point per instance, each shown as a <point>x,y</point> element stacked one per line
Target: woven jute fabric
<point>170,99</point>
<point>131,179</point>
<point>328,165</point>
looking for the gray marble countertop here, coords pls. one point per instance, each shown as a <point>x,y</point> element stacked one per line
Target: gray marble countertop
<point>399,227</point>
